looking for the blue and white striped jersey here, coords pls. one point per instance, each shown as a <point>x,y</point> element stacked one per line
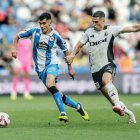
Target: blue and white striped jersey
<point>44,47</point>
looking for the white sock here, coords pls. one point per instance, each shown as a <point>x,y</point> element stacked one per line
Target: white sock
<point>113,94</point>
<point>125,109</point>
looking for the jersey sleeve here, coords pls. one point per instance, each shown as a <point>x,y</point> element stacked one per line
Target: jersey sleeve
<point>116,30</point>
<point>27,33</point>
<point>61,43</point>
<point>84,39</point>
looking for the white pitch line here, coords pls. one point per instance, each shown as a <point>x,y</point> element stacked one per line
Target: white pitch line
<point>136,104</point>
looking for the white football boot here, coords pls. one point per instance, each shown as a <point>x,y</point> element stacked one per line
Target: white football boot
<point>131,118</point>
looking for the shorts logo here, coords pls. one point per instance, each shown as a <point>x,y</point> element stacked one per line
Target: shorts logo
<point>109,70</point>
<point>51,70</point>
<point>97,85</point>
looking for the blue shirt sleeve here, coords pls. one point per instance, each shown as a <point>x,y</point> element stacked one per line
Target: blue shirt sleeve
<point>61,43</point>
<point>27,33</point>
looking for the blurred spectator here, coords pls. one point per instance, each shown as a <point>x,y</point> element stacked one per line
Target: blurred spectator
<point>84,21</point>
<point>134,14</point>
<point>72,17</point>
<point>9,30</point>
<point>125,63</point>
<point>61,28</point>
<point>112,14</point>
<point>4,6</point>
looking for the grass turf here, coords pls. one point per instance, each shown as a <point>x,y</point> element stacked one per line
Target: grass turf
<point>38,120</point>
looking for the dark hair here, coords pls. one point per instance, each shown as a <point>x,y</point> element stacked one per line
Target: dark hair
<point>100,14</point>
<point>45,15</point>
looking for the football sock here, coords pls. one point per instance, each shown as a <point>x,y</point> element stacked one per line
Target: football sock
<point>125,109</point>
<point>14,84</point>
<point>58,100</point>
<point>113,94</point>
<point>69,102</point>
<point>26,84</point>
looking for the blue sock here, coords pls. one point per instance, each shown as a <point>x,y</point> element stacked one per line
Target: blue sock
<point>58,100</point>
<point>68,101</point>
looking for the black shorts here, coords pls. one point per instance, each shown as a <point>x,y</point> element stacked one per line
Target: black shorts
<point>97,76</point>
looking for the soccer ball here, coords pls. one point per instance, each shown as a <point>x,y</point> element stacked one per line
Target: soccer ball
<point>4,119</point>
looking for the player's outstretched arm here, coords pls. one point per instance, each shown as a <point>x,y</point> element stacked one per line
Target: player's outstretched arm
<point>76,50</point>
<point>133,28</point>
<point>15,46</point>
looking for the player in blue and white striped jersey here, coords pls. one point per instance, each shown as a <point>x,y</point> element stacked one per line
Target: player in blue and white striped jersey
<point>45,42</point>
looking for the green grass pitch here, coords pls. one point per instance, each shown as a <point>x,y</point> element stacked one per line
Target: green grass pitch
<point>38,120</point>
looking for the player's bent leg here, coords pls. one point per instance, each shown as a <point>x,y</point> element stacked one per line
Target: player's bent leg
<point>112,93</point>
<point>114,98</point>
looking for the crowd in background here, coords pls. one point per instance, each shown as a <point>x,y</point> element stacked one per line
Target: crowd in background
<point>70,19</point>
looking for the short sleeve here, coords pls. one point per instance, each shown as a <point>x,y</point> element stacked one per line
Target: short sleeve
<point>116,30</point>
<point>84,39</point>
<point>27,33</point>
<point>61,43</point>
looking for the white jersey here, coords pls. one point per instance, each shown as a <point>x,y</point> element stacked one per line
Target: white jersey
<point>100,45</point>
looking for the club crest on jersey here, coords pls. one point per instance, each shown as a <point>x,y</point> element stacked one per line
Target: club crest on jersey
<point>98,42</point>
<point>51,38</point>
<point>92,36</point>
<point>106,33</point>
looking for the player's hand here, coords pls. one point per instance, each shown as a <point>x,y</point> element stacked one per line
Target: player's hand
<point>71,73</point>
<point>14,54</point>
<point>69,58</point>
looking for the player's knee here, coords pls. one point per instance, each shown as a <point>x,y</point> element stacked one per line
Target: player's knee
<point>107,78</point>
<point>106,81</point>
<point>52,89</point>
<point>49,83</point>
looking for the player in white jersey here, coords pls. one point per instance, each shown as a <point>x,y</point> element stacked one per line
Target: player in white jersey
<point>45,42</point>
<point>99,42</point>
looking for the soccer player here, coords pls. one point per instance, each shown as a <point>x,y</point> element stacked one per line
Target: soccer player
<point>99,41</point>
<point>22,65</point>
<point>45,44</point>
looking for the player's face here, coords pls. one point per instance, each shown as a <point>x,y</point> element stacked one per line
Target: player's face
<point>98,23</point>
<point>45,25</point>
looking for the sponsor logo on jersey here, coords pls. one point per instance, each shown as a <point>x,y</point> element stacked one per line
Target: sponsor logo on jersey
<point>98,42</point>
<point>43,45</point>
